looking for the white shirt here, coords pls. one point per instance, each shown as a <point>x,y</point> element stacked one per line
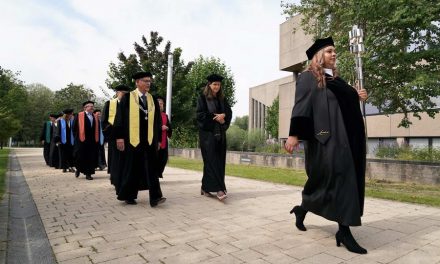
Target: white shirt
<point>328,71</point>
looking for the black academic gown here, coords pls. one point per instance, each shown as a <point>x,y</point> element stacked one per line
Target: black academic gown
<point>163,152</point>
<point>212,140</point>
<point>112,152</point>
<point>66,148</point>
<point>85,152</point>
<point>138,165</point>
<point>45,136</point>
<point>330,122</point>
<point>54,150</point>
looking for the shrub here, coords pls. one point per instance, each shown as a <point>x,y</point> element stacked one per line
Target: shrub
<point>236,138</point>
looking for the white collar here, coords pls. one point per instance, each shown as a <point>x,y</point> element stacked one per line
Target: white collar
<point>328,71</point>
<point>139,93</point>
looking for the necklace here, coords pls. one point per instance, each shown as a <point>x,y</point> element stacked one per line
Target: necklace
<point>146,111</point>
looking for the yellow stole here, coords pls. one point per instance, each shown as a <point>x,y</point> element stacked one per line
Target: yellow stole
<point>112,110</point>
<point>134,118</point>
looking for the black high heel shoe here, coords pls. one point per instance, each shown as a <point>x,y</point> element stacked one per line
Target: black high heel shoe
<point>300,214</point>
<point>349,242</point>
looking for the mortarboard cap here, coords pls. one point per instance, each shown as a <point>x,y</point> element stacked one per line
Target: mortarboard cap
<point>122,87</point>
<point>319,44</point>
<point>68,111</point>
<point>214,78</point>
<point>88,102</point>
<point>142,74</point>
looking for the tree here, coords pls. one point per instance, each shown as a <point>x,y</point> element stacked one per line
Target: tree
<point>148,57</point>
<point>272,118</point>
<point>401,62</point>
<point>72,97</point>
<point>13,97</point>
<point>40,100</point>
<point>9,125</point>
<point>242,122</point>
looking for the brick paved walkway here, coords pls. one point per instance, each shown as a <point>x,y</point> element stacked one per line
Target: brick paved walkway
<point>86,224</point>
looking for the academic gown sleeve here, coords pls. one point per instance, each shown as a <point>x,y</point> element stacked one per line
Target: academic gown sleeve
<point>228,115</point>
<point>301,121</point>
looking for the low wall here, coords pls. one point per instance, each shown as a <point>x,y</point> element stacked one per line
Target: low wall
<point>379,169</point>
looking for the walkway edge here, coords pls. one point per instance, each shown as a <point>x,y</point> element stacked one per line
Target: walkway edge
<point>27,241</point>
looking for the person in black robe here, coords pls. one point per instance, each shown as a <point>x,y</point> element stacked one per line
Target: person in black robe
<point>137,130</point>
<point>327,116</point>
<point>86,133</point>
<point>46,137</point>
<point>101,162</point>
<point>213,118</point>
<point>166,133</point>
<point>54,152</point>
<point>65,140</point>
<point>108,118</point>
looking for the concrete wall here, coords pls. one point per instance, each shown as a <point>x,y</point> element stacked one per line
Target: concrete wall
<point>381,126</point>
<point>390,170</point>
<point>293,44</point>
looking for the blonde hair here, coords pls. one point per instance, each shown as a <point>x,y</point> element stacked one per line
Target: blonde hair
<point>317,69</point>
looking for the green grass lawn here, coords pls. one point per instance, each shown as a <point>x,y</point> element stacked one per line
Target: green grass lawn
<point>403,192</point>
<point>3,166</point>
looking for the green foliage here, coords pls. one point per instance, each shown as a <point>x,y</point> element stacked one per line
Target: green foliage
<point>149,57</point>
<point>4,157</point>
<point>196,79</point>
<point>40,101</point>
<point>72,96</point>
<point>255,138</point>
<point>236,138</point>
<point>270,148</point>
<point>183,138</point>
<point>402,58</point>
<point>242,122</point>
<point>272,118</point>
<point>13,97</point>
<point>408,153</point>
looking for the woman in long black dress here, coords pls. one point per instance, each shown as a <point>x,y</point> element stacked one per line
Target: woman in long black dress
<point>213,117</point>
<point>327,116</point>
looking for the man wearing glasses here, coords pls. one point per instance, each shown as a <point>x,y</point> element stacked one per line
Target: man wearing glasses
<point>138,129</point>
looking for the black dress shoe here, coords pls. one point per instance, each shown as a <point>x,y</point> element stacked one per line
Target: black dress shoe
<point>89,177</point>
<point>300,214</point>
<point>154,203</point>
<point>77,173</point>
<point>131,201</point>
<point>64,170</point>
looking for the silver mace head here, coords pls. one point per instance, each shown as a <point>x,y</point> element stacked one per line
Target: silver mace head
<point>356,40</point>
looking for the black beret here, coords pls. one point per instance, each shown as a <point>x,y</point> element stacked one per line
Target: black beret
<point>160,97</point>
<point>97,110</point>
<point>54,115</point>
<point>122,87</point>
<point>88,102</point>
<point>214,78</point>
<point>142,74</point>
<point>68,111</point>
<point>319,44</point>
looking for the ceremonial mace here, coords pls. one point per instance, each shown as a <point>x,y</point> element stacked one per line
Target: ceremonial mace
<point>356,36</point>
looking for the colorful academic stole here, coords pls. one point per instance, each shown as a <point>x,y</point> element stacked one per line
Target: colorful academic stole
<point>112,110</point>
<point>48,127</point>
<point>134,118</point>
<point>82,131</point>
<point>101,135</point>
<point>64,133</point>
